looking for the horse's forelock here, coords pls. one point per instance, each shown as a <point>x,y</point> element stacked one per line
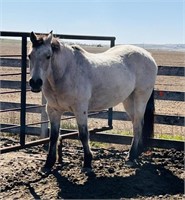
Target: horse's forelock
<point>55,44</point>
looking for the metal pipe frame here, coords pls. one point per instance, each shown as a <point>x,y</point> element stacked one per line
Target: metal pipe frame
<point>23,74</point>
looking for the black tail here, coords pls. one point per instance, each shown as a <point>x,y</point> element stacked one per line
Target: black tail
<point>148,127</point>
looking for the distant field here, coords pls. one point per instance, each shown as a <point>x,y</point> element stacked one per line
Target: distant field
<point>165,58</point>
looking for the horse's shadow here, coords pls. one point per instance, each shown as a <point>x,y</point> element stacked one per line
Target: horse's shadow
<point>148,180</point>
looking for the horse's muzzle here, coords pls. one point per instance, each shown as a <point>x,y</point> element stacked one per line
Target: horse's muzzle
<point>36,85</point>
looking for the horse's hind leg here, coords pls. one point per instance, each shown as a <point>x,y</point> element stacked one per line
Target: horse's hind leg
<point>129,106</point>
<point>137,106</point>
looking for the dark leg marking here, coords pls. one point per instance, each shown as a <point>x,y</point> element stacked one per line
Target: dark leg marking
<point>51,158</point>
<point>84,137</point>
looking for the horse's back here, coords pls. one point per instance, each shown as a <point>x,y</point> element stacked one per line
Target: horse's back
<point>139,61</point>
<point>117,72</point>
<point>123,60</point>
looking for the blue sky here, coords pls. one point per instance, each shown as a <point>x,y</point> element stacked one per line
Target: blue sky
<point>134,21</point>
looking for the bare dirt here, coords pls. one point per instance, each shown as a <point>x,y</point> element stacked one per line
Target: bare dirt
<point>158,175</point>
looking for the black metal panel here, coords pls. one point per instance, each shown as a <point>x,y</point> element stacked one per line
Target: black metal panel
<point>24,36</point>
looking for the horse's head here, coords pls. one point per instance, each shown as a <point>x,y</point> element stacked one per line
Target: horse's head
<point>40,60</point>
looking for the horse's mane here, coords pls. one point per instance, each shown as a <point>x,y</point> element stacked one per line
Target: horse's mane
<point>78,48</point>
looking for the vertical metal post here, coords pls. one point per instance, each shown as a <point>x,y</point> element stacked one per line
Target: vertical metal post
<point>110,111</point>
<point>23,91</point>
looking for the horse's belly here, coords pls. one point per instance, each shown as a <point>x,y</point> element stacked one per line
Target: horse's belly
<point>111,89</point>
<point>109,99</point>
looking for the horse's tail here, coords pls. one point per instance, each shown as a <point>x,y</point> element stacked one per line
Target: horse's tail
<point>148,127</point>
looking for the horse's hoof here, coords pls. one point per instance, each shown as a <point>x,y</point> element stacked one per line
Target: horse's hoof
<point>44,171</point>
<point>130,163</point>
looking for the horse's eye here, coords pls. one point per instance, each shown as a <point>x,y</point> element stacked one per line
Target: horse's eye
<point>48,57</point>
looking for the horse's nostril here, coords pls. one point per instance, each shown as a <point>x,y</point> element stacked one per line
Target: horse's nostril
<point>31,82</point>
<point>39,82</point>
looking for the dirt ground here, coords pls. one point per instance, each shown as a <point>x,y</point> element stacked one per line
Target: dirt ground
<point>158,175</point>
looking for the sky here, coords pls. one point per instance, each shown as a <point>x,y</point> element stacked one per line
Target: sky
<point>130,21</point>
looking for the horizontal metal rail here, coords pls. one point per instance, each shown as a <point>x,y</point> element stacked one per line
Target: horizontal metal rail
<point>9,55</point>
<point>18,109</point>
<point>170,71</point>
<point>46,121</point>
<point>62,36</point>
<point>12,74</point>
<point>17,91</point>
<point>9,128</point>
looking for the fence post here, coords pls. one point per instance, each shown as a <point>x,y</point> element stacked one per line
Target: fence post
<point>44,117</point>
<point>23,91</point>
<point>110,111</point>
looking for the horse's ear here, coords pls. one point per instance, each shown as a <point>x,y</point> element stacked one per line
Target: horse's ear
<point>33,37</point>
<point>49,38</point>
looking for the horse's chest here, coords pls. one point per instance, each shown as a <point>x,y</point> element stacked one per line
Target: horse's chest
<point>58,101</point>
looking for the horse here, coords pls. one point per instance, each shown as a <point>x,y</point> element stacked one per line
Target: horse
<point>77,81</point>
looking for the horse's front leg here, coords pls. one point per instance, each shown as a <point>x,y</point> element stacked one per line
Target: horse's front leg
<point>54,117</point>
<point>81,117</point>
<point>84,137</point>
